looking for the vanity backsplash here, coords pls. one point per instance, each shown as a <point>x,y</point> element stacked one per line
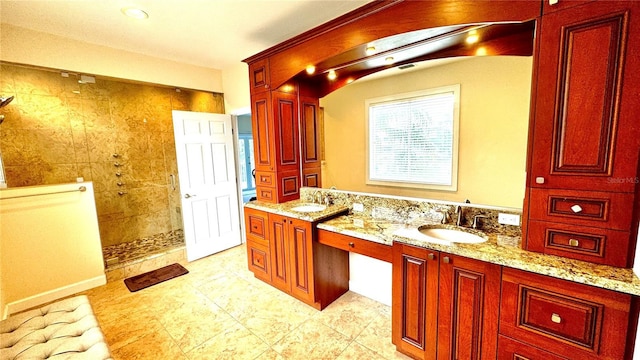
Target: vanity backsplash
<point>409,210</point>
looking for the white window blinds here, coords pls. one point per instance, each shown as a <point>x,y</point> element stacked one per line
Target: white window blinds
<point>413,139</point>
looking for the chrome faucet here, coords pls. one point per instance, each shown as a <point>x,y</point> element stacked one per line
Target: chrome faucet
<point>460,213</point>
<point>315,197</point>
<point>476,224</point>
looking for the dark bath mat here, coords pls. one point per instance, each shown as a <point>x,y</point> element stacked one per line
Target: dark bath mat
<point>154,277</point>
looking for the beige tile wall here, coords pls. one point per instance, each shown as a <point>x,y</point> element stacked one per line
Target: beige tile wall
<point>57,129</point>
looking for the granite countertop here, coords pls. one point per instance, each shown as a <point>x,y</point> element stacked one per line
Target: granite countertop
<point>286,209</point>
<point>498,249</point>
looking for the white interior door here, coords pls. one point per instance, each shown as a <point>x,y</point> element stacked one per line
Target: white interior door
<point>207,172</point>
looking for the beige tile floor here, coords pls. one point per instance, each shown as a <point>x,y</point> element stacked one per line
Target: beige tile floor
<point>220,311</point>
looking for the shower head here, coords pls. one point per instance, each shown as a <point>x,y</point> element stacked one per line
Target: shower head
<point>4,101</point>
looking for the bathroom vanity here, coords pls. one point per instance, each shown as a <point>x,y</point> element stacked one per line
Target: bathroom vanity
<point>559,287</point>
<point>484,300</point>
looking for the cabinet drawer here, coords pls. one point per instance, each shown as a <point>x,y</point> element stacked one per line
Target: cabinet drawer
<point>509,349</point>
<point>597,245</point>
<point>258,260</point>
<point>265,179</point>
<point>266,194</point>
<point>352,244</point>
<point>590,208</point>
<point>256,223</point>
<point>566,318</point>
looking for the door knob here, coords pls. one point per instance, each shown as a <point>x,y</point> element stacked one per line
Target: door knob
<point>186,196</point>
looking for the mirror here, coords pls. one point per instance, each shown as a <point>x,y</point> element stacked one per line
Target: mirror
<point>494,118</point>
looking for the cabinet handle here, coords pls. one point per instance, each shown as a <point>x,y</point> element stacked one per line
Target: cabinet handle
<point>186,196</point>
<point>539,180</point>
<point>574,242</point>
<point>556,318</point>
<point>352,244</point>
<point>431,256</point>
<point>446,260</point>
<point>576,208</point>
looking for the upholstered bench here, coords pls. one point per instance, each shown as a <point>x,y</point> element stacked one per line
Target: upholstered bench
<point>66,329</point>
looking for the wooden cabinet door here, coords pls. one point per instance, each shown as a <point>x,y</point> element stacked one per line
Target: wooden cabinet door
<point>586,132</point>
<point>262,128</point>
<point>279,252</point>
<point>301,259</point>
<point>415,301</point>
<point>468,308</point>
<point>310,131</point>
<point>285,118</point>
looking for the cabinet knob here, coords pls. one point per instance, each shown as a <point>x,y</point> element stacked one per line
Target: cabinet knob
<point>576,208</point>
<point>186,196</point>
<point>539,180</point>
<point>352,244</point>
<point>431,256</point>
<point>556,318</point>
<point>446,260</point>
<point>574,242</point>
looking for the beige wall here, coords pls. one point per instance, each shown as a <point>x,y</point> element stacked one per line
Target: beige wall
<point>24,46</point>
<point>57,130</point>
<point>494,114</point>
<point>50,244</point>
<point>237,98</point>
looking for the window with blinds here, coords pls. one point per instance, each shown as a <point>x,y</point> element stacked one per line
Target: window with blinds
<point>413,139</point>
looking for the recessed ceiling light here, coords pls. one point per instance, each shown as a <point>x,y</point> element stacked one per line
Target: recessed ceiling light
<point>311,69</point>
<point>472,37</point>
<point>370,50</point>
<point>135,12</point>
<point>389,60</point>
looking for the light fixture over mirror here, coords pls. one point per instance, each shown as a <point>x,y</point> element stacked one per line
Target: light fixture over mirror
<point>416,46</point>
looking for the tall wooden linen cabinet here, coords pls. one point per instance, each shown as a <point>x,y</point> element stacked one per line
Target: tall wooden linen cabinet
<point>584,139</point>
<point>286,137</point>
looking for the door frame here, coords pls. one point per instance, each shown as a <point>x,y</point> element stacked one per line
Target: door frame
<point>236,140</point>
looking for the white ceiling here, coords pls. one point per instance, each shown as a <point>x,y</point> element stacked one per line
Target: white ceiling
<point>210,33</point>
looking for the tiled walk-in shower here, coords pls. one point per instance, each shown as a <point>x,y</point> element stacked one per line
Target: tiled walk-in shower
<point>142,255</point>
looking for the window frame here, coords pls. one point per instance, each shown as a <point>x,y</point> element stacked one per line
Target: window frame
<point>455,88</point>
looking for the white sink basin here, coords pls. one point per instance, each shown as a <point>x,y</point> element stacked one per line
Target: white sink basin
<point>309,208</point>
<point>452,235</point>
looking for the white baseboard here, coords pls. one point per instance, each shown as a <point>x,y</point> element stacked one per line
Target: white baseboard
<point>52,295</point>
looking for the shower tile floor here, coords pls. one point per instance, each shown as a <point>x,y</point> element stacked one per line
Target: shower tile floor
<point>221,311</point>
<point>142,255</point>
